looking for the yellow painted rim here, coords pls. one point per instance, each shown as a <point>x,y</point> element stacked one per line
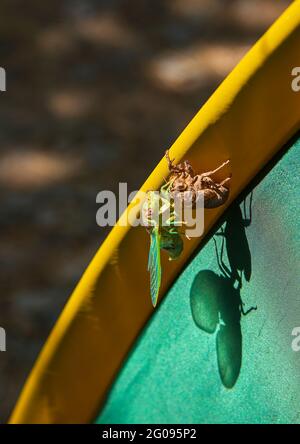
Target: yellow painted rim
<point>248,119</point>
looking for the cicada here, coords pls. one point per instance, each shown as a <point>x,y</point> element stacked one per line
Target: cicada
<point>163,227</point>
<point>162,220</point>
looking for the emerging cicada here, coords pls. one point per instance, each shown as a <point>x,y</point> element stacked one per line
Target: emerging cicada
<point>162,220</point>
<point>163,227</point>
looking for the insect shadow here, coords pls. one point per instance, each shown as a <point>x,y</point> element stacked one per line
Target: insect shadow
<point>216,301</point>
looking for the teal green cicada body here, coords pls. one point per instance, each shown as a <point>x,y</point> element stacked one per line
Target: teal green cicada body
<point>171,241</point>
<point>162,225</point>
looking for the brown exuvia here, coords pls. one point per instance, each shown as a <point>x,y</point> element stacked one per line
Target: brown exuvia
<point>184,180</point>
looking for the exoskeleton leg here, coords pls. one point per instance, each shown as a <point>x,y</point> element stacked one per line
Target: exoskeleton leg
<point>210,173</point>
<point>225,181</point>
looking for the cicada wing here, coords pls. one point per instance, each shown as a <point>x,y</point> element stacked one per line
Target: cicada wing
<point>154,265</point>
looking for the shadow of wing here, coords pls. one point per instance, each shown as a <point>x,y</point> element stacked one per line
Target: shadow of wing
<point>204,300</point>
<point>229,352</point>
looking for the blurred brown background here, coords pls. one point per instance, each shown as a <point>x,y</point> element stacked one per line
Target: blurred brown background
<point>96,91</point>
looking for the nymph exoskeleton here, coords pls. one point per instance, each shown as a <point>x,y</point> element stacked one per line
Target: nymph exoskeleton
<point>183,179</point>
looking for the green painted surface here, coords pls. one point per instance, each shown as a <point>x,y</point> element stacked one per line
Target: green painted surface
<point>199,360</point>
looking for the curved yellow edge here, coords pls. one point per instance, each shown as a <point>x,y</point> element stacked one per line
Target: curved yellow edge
<point>248,119</point>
